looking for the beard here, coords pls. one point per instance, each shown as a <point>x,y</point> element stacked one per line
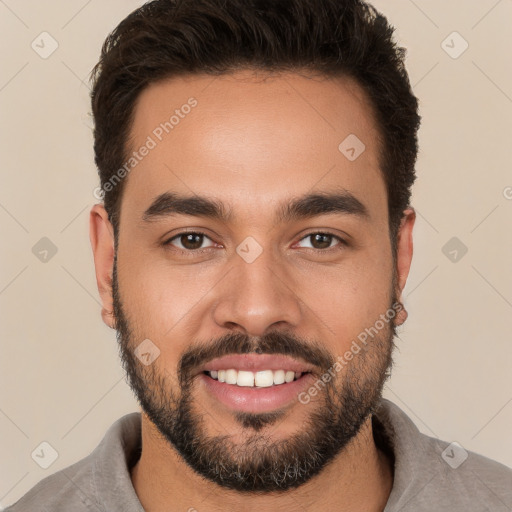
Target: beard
<point>258,463</point>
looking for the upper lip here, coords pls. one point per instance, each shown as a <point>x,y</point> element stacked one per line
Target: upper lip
<point>256,363</point>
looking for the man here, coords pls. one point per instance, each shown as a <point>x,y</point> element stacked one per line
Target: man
<point>256,160</point>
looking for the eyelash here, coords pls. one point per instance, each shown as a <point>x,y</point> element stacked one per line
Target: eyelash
<point>191,252</point>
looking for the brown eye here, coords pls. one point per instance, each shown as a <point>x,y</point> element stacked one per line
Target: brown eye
<point>323,241</point>
<point>189,241</point>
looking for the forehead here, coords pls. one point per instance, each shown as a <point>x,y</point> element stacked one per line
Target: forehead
<point>253,139</point>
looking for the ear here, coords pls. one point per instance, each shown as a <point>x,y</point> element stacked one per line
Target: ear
<point>404,256</point>
<point>101,234</point>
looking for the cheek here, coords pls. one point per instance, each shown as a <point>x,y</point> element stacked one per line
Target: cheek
<point>352,306</point>
<point>158,297</point>
<point>351,298</point>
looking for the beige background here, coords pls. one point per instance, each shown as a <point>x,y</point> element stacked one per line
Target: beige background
<point>61,380</point>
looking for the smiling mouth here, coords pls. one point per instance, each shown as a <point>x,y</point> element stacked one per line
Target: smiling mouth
<point>259,379</point>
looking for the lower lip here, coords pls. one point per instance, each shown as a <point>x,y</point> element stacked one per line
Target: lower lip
<point>252,399</point>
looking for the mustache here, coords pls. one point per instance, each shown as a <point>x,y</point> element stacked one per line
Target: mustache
<point>238,343</point>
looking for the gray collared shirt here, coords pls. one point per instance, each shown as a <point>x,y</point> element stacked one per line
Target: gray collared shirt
<point>429,474</point>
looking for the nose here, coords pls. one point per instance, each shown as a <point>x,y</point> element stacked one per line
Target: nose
<point>258,296</point>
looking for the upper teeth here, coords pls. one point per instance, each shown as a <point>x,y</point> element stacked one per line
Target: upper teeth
<point>261,379</point>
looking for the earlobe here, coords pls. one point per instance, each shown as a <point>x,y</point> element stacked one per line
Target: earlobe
<point>102,243</point>
<point>404,257</point>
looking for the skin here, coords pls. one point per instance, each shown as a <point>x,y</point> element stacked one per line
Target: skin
<point>252,142</point>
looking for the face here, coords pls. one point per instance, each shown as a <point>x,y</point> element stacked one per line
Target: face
<point>252,249</point>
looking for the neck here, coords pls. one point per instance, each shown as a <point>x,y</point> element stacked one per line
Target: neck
<point>359,479</point>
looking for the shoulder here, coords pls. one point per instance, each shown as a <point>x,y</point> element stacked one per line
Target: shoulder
<point>465,473</point>
<point>98,480</point>
<point>432,474</point>
<point>71,488</point>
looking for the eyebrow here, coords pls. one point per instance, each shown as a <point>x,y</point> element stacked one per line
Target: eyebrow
<point>171,204</point>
